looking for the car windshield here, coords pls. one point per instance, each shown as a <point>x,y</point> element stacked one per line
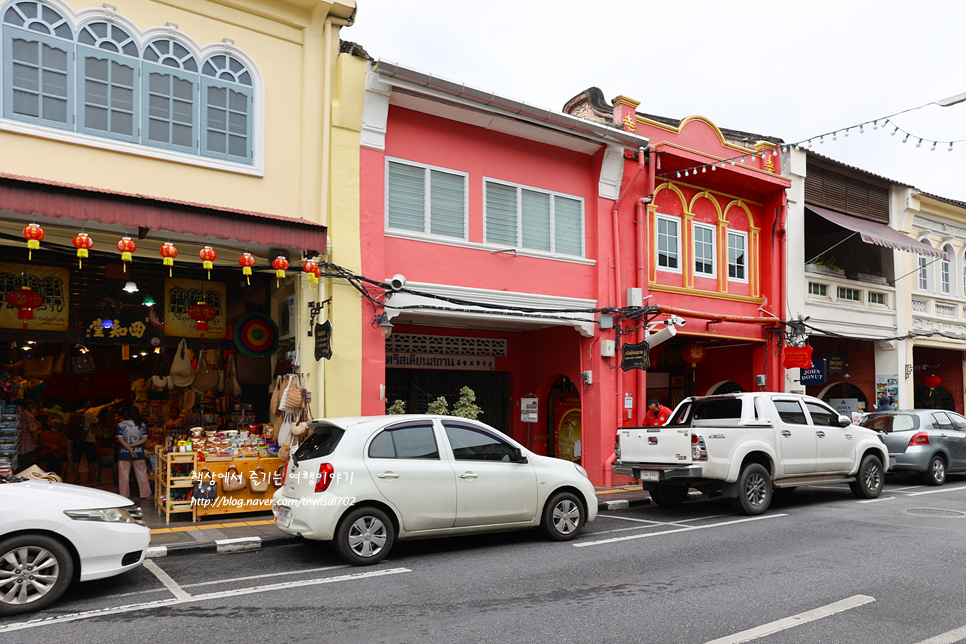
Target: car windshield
<point>321,442</point>
<point>889,423</point>
<point>708,409</point>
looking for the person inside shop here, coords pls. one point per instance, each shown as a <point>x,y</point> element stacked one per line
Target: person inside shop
<point>29,433</point>
<point>885,404</point>
<point>657,414</point>
<point>132,434</point>
<point>53,446</point>
<point>81,428</point>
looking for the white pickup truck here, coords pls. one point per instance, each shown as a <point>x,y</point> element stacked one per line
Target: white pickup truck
<point>747,446</point>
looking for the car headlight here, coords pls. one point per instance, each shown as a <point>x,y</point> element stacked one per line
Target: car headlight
<point>108,515</point>
<point>582,471</point>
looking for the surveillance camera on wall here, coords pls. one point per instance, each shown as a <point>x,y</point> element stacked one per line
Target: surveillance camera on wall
<point>397,283</point>
<point>676,321</point>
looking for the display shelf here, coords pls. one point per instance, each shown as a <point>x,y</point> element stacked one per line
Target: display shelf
<point>173,477</point>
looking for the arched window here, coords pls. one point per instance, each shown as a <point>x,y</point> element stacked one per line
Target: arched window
<point>109,70</point>
<point>226,120</point>
<point>170,87</point>
<point>946,272</point>
<point>38,54</point>
<point>924,275</point>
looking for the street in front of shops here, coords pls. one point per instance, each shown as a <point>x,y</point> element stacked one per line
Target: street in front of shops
<point>819,567</point>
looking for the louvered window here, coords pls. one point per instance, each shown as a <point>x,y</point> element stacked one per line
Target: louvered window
<point>846,194</point>
<point>520,217</point>
<point>425,200</point>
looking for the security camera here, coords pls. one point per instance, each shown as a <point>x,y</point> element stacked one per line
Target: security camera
<point>676,321</point>
<point>804,318</point>
<point>397,283</point>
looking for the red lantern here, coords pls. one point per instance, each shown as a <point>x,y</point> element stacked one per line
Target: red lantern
<point>693,353</point>
<point>202,314</point>
<point>34,234</point>
<point>932,382</point>
<point>126,246</point>
<point>246,261</point>
<point>208,257</point>
<point>82,242</point>
<point>800,357</point>
<point>313,271</point>
<point>168,252</point>
<point>280,264</point>
<point>25,300</point>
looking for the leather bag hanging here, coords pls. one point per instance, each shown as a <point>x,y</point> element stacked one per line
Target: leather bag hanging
<point>60,360</point>
<point>82,364</point>
<point>182,374</point>
<point>233,481</point>
<point>258,480</point>
<point>202,490</point>
<point>37,368</point>
<point>253,371</point>
<point>232,386</point>
<point>206,375</point>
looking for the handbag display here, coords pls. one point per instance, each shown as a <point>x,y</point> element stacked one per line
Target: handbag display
<point>258,480</point>
<point>202,490</point>
<point>182,375</point>
<point>59,361</point>
<point>253,371</point>
<point>82,364</point>
<point>278,478</point>
<point>232,386</point>
<point>37,368</point>
<point>233,482</point>
<point>206,375</point>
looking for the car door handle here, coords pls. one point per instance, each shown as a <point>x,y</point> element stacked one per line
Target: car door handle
<point>388,475</point>
<point>468,475</point>
<point>820,434</point>
<point>786,433</point>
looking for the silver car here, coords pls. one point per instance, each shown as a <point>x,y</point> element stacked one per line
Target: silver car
<point>927,441</point>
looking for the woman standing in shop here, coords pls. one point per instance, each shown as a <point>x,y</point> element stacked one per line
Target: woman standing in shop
<point>132,434</point>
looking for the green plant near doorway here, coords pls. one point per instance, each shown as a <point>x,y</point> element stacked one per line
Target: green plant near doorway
<point>398,407</point>
<point>466,406</point>
<point>439,407</point>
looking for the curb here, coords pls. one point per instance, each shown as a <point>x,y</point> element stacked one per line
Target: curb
<point>242,544</point>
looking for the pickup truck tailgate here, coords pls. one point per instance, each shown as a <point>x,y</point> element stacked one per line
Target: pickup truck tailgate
<point>655,445</point>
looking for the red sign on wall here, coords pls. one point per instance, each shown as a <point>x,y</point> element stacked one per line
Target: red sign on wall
<point>800,357</point>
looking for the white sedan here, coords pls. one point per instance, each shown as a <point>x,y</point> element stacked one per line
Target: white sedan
<point>53,533</point>
<point>365,482</point>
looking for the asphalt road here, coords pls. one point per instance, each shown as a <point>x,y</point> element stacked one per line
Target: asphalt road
<point>820,566</point>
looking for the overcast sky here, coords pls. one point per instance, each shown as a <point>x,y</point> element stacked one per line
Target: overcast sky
<point>786,68</point>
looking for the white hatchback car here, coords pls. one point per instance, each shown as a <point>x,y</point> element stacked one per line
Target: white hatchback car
<point>365,482</point>
<point>54,533</point>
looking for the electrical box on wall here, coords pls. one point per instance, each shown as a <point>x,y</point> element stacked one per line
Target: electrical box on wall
<point>287,317</point>
<point>587,377</point>
<point>635,297</point>
<point>607,348</point>
<point>761,380</point>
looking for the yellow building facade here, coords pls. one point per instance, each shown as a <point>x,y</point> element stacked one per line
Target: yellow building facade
<point>244,112</point>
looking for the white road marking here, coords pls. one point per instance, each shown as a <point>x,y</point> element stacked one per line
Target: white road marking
<point>232,580</point>
<point>911,487</point>
<point>883,498</point>
<point>101,612</point>
<point>614,516</point>
<point>795,620</point>
<point>611,516</point>
<point>950,637</point>
<point>685,529</point>
<point>945,489</point>
<point>165,578</point>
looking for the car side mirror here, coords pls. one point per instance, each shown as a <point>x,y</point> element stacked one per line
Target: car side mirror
<point>518,456</point>
<point>844,421</point>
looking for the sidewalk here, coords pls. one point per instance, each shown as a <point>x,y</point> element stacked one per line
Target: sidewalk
<point>255,530</point>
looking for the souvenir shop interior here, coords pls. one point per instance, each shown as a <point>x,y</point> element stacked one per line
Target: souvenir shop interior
<point>197,346</point>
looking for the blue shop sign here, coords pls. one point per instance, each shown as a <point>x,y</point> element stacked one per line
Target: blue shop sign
<point>815,375</point>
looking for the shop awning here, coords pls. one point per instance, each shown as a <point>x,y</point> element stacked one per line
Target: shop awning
<point>85,205</point>
<point>878,234</point>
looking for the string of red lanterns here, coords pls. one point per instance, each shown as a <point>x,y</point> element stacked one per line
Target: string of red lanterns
<point>34,234</point>
<point>168,252</point>
<point>83,243</point>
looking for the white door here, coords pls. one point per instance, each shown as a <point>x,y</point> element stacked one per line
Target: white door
<point>405,463</point>
<point>796,438</point>
<point>491,488</point>
<point>835,451</point>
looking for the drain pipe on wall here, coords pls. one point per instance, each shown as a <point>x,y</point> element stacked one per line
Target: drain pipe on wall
<point>617,300</point>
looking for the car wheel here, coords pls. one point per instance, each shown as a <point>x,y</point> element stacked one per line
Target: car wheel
<point>669,496</point>
<point>563,517</point>
<point>365,536</point>
<point>35,570</point>
<point>936,473</point>
<point>869,479</point>
<point>754,490</point>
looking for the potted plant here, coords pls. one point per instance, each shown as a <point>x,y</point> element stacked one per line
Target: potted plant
<point>872,277</point>
<point>825,266</point>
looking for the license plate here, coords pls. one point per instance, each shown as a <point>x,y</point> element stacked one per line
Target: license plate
<point>650,476</point>
<point>284,516</point>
